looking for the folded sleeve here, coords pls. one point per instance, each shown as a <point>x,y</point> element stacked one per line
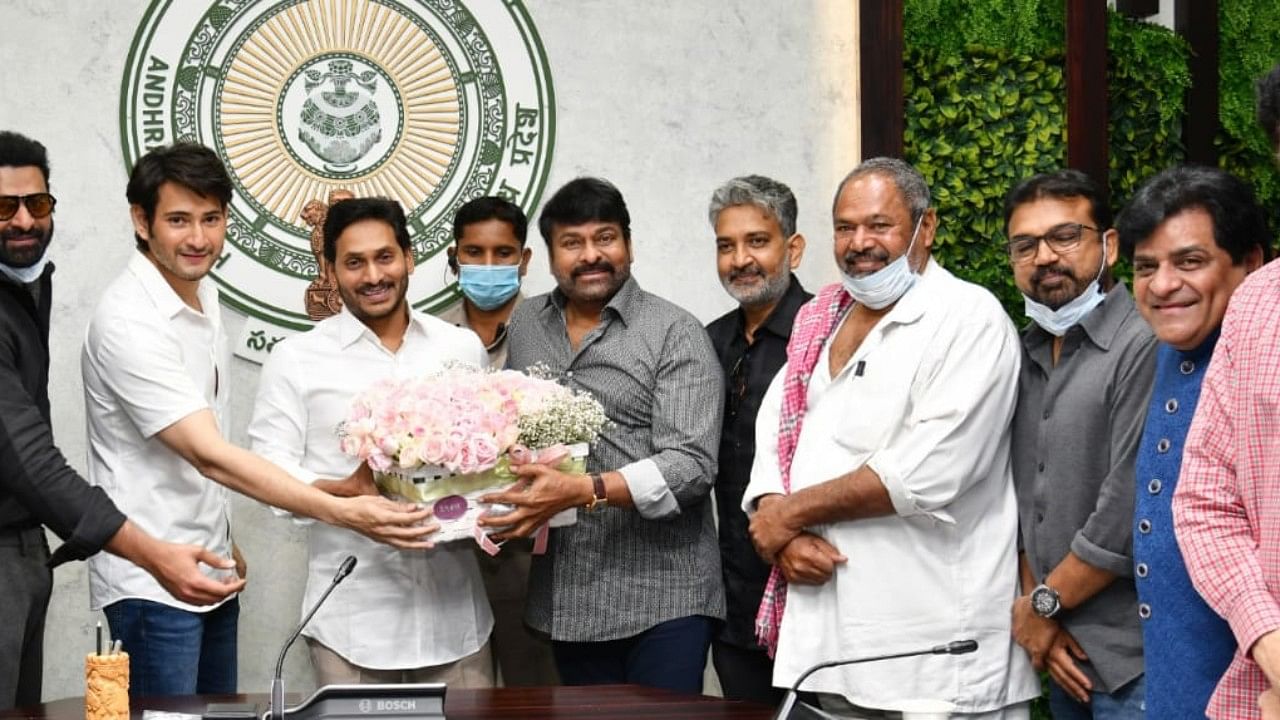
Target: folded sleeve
<point>963,394</point>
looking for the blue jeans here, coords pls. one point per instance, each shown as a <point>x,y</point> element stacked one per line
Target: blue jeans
<point>669,655</point>
<point>176,652</point>
<point>1126,703</point>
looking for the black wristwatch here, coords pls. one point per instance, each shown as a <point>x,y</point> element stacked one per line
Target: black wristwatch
<point>1045,601</point>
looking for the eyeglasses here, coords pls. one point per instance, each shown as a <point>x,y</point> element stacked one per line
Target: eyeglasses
<point>1061,239</point>
<point>38,204</point>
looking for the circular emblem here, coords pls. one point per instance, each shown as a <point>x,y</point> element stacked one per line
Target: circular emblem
<point>428,102</point>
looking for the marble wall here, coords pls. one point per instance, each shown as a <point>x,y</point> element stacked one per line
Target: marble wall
<point>665,98</point>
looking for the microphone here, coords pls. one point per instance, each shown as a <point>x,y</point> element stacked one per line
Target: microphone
<point>277,682</point>
<point>790,702</point>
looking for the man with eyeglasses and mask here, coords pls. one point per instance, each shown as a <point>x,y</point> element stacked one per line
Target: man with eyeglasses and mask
<point>757,248</point>
<point>1088,361</point>
<point>37,487</point>
<point>881,488</point>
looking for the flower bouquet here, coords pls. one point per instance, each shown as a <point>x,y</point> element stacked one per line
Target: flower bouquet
<point>447,439</point>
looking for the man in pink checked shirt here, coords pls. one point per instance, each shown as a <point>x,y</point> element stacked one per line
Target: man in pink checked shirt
<point>1227,506</point>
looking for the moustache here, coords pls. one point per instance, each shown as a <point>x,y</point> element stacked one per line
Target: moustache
<point>748,272</point>
<point>1042,272</point>
<point>15,234</point>
<point>598,266</point>
<point>368,288</point>
<point>877,254</point>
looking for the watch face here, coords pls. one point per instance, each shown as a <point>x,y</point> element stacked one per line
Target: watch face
<point>1044,602</point>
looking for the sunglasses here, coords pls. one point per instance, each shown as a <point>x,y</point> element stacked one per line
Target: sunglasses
<point>38,204</point>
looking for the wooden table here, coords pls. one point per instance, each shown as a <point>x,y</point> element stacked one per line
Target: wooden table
<point>609,702</point>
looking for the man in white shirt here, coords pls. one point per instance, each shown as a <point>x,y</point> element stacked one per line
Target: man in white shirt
<point>410,616</point>
<point>155,366</point>
<point>891,513</point>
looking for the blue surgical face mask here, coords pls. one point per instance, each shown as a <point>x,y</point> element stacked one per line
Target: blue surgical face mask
<point>26,275</point>
<point>1058,322</point>
<point>489,287</point>
<point>883,287</point>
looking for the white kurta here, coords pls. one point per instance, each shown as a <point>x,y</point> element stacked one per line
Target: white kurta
<point>926,403</point>
<point>400,609</point>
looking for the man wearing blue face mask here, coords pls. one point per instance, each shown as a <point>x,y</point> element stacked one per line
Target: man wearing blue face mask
<point>1087,366</point>
<point>489,257</point>
<point>880,488</point>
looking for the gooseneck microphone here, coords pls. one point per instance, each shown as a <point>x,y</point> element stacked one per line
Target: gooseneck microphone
<point>789,703</point>
<point>277,682</point>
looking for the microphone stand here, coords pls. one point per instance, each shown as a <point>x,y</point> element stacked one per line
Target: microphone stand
<point>791,701</point>
<point>277,681</point>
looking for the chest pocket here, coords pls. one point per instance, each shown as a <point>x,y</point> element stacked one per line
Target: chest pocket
<point>874,404</point>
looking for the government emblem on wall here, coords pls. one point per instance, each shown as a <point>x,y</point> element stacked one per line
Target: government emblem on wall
<point>429,102</point>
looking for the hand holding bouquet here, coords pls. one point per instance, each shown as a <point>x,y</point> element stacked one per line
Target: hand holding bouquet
<point>450,437</point>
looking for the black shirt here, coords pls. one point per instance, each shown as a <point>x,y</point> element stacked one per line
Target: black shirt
<point>36,484</point>
<point>748,370</point>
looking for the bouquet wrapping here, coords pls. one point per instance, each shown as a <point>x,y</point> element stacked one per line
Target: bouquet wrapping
<point>449,438</point>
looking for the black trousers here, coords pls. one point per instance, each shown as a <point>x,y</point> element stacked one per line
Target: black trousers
<point>745,674</point>
<point>25,584</point>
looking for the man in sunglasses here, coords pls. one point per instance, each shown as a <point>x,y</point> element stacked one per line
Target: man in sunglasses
<point>37,487</point>
<point>757,247</point>
<point>1088,361</point>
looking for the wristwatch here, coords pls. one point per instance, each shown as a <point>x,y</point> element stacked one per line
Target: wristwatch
<point>1045,601</point>
<point>599,498</point>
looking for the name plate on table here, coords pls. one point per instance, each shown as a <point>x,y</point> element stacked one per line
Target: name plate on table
<point>349,702</point>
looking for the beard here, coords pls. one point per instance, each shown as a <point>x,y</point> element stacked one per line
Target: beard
<point>1056,297</point>
<point>29,255</point>
<point>769,290</point>
<point>355,301</point>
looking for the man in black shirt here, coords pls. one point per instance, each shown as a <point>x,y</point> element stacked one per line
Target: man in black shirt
<point>757,247</point>
<point>37,487</point>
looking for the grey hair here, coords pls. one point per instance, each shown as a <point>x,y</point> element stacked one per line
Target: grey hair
<point>765,193</point>
<point>908,180</point>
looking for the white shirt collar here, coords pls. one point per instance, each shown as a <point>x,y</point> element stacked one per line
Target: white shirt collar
<point>162,294</point>
<point>351,329</point>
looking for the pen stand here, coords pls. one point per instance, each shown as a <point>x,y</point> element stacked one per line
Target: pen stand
<point>106,687</point>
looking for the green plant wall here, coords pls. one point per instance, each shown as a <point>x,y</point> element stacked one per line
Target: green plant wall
<point>981,119</point>
<point>1249,46</point>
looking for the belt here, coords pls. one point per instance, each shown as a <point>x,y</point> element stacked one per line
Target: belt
<point>26,540</point>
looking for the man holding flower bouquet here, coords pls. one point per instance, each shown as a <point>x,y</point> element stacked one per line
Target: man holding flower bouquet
<point>629,592</point>
<point>409,616</point>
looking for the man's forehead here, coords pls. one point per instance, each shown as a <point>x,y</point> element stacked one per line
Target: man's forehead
<point>21,180</point>
<point>872,194</point>
<point>757,218</point>
<point>586,228</point>
<point>1043,212</point>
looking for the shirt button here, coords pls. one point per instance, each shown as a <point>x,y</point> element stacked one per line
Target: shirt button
<point>1041,467</point>
<point>568,373</point>
<point>1153,487</point>
<point>1171,406</point>
<point>1046,414</point>
<point>1141,570</point>
<point>1144,611</point>
<point>1039,517</point>
<point>1144,526</point>
<point>1163,445</point>
<point>1187,367</point>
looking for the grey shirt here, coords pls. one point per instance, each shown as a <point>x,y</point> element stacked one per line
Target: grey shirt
<point>615,574</point>
<point>1075,436</point>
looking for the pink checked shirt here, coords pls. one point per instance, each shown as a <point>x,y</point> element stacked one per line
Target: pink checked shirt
<point>1227,505</point>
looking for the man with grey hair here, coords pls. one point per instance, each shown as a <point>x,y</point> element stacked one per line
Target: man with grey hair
<point>881,488</point>
<point>757,247</point>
